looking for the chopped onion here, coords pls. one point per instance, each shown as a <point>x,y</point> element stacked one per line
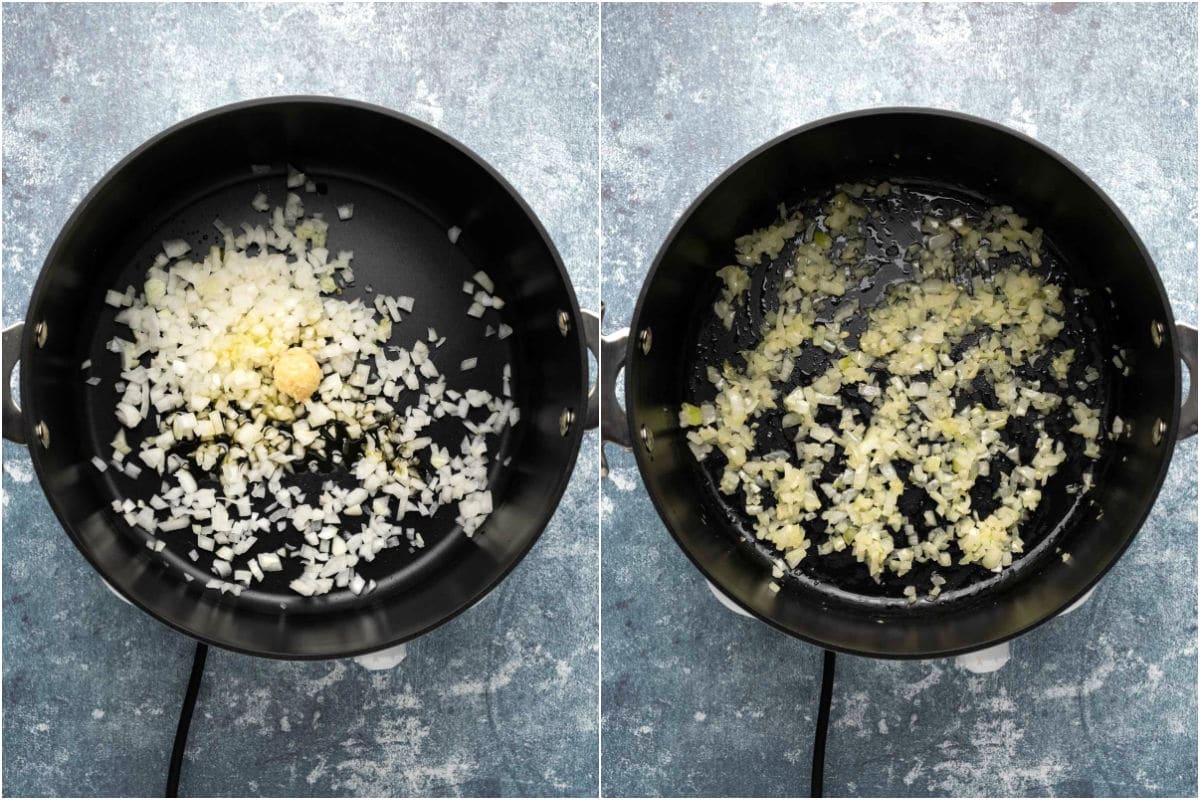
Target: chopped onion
<point>484,282</point>
<point>175,248</point>
<point>915,417</point>
<point>201,371</point>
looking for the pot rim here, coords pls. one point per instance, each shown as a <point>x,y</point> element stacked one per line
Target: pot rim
<point>39,295</point>
<point>1171,339</point>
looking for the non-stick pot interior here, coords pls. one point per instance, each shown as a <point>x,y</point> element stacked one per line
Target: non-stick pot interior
<point>1094,245</point>
<point>409,186</point>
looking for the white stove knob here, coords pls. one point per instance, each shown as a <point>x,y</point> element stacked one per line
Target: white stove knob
<point>724,600</point>
<point>382,659</point>
<point>984,661</point>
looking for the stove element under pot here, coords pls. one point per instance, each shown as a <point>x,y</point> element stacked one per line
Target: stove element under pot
<point>378,661</point>
<point>979,662</point>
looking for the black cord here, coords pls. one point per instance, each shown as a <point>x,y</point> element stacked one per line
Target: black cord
<point>185,719</point>
<point>817,784</point>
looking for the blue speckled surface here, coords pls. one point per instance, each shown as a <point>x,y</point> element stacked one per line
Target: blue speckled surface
<point>698,701</point>
<point>500,701</point>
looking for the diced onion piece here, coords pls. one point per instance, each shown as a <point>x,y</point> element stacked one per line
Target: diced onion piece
<point>175,248</point>
<point>270,562</point>
<point>485,282</point>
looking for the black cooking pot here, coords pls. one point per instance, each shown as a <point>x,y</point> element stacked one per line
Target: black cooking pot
<point>409,184</point>
<point>1095,245</point>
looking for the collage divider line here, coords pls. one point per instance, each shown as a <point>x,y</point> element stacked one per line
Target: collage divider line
<point>600,427</point>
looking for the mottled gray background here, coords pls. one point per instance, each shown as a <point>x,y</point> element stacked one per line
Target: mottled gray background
<point>699,701</point>
<point>500,701</point>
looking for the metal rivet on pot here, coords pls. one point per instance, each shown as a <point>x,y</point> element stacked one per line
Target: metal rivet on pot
<point>645,340</point>
<point>564,323</point>
<point>39,333</point>
<point>42,432</point>
<point>1157,332</point>
<point>1160,430</point>
<point>566,420</point>
<point>648,439</point>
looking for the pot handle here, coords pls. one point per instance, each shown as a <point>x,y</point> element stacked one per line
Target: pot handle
<point>14,426</point>
<point>1187,351</point>
<point>604,410</point>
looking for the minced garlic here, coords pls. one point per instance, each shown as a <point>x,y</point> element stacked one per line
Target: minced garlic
<point>297,374</point>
